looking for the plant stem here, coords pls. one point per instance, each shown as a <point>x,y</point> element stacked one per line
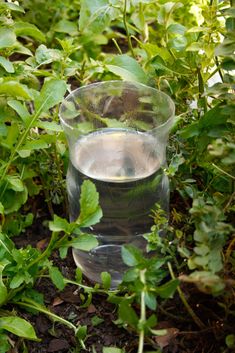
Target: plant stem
<point>195,318</point>
<point>117,46</point>
<point>55,317</point>
<point>127,30</point>
<point>223,171</point>
<point>142,312</point>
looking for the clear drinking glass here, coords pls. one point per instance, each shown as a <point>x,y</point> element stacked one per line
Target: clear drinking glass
<point>117,134</point>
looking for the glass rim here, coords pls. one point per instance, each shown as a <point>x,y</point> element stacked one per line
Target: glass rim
<point>116,82</point>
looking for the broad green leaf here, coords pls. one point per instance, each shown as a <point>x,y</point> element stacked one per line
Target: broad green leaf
<point>128,314</point>
<point>131,256</point>
<point>18,327</point>
<point>3,289</point>
<point>168,289</point>
<point>5,345</point>
<point>89,204</point>
<point>52,93</point>
<point>12,6</point>
<point>59,224</point>
<point>15,89</point>
<point>49,125</point>
<point>127,68</point>
<point>7,38</point>
<point>150,300</point>
<point>20,109</point>
<point>96,15</point>
<point>65,26</point>
<point>7,64</point>
<point>43,55</point>
<point>81,332</point>
<point>85,242</point>
<point>15,183</point>
<point>56,277</point>
<point>28,29</point>
<point>30,146</point>
<point>106,280</point>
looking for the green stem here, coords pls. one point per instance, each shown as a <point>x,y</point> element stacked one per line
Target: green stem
<point>195,318</point>
<point>223,171</point>
<point>127,30</point>
<point>35,306</point>
<point>201,89</point>
<point>142,312</point>
<point>117,46</point>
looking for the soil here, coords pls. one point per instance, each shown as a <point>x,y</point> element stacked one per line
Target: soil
<point>183,335</point>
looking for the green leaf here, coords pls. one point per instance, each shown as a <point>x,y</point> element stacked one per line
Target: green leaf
<point>168,289</point>
<point>18,327</point>
<point>3,289</point>
<point>59,224</point>
<point>56,277</point>
<point>106,280</point>
<point>28,29</point>
<point>20,109</point>
<point>127,68</point>
<point>43,55</point>
<point>15,89</point>
<point>15,183</point>
<point>5,345</point>
<point>131,256</point>
<point>1,208</point>
<point>96,320</point>
<point>96,15</point>
<point>7,65</point>
<point>7,38</point>
<point>150,300</point>
<point>52,93</point>
<point>89,204</point>
<point>81,332</point>
<point>128,314</point>
<point>49,125</point>
<point>65,26</point>
<point>112,350</point>
<point>84,242</point>
<point>30,146</point>
<point>12,6</point>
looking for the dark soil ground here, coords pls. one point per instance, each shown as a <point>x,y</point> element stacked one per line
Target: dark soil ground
<point>183,334</point>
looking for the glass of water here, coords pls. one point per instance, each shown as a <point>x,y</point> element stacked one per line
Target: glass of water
<point>117,134</point>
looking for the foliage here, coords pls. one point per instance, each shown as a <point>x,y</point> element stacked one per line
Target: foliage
<point>184,48</point>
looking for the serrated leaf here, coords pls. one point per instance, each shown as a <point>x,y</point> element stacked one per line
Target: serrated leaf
<point>7,64</point>
<point>28,29</point>
<point>89,204</point>
<point>18,327</point>
<point>56,277</point>
<point>7,38</point>
<point>52,93</point>
<point>127,68</point>
<point>131,256</point>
